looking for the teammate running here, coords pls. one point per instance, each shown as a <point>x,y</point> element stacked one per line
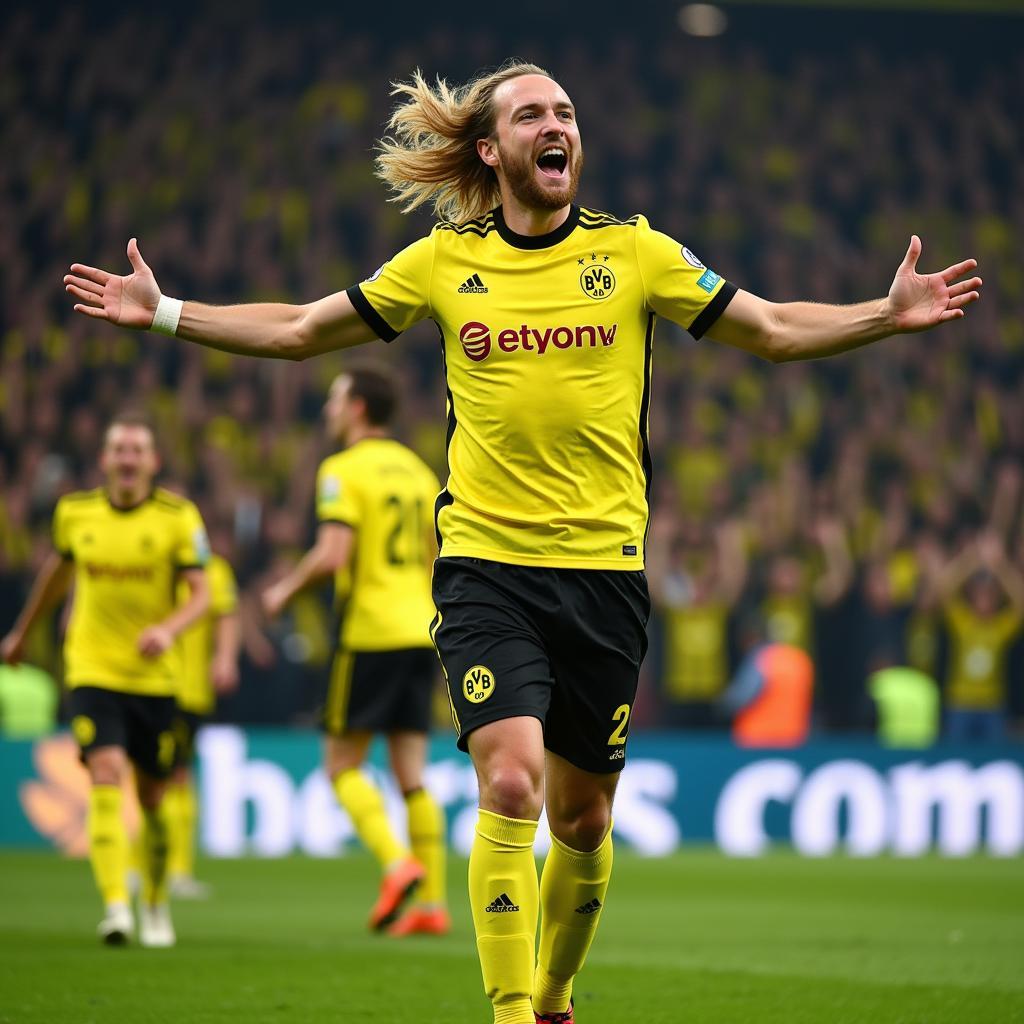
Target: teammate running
<point>124,545</point>
<point>375,503</point>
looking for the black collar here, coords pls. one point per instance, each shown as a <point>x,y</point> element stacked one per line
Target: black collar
<point>562,232</point>
<point>127,508</point>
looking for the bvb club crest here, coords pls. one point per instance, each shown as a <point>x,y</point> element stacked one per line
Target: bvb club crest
<point>478,684</point>
<point>597,281</point>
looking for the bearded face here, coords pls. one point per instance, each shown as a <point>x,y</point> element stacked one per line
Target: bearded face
<point>547,179</point>
<point>535,147</point>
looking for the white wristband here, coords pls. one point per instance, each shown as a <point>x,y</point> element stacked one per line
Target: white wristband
<point>167,315</point>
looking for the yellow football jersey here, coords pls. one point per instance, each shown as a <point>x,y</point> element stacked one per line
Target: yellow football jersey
<point>696,652</point>
<point>386,493</point>
<point>126,564</point>
<point>789,619</point>
<point>547,347</point>
<point>978,657</point>
<point>195,691</point>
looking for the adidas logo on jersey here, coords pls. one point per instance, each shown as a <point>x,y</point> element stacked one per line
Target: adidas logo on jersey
<point>591,907</point>
<point>473,286</point>
<point>502,905</point>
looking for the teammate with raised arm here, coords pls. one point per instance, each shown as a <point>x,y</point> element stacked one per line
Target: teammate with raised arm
<point>547,312</point>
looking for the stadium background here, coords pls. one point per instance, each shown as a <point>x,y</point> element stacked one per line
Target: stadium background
<point>795,153</point>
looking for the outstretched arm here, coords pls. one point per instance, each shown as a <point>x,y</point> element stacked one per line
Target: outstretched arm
<point>784,331</point>
<point>331,552</point>
<point>50,587</point>
<point>272,329</point>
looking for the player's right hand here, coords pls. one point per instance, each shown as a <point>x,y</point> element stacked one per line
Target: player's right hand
<point>12,648</point>
<point>273,601</point>
<point>127,301</point>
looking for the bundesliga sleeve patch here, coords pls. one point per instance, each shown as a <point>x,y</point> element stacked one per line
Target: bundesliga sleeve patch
<point>708,280</point>
<point>202,545</point>
<point>330,488</point>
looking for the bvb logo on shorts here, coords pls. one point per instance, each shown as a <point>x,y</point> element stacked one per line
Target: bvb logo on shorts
<point>478,684</point>
<point>84,729</point>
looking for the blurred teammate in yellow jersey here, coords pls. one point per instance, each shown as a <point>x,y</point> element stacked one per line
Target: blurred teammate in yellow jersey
<point>375,505</point>
<point>126,545</point>
<point>209,667</point>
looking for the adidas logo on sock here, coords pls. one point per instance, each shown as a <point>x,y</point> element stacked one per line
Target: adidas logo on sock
<point>502,905</point>
<point>473,286</point>
<point>592,907</point>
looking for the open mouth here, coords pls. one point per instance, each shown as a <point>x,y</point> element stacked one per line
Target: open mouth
<point>553,161</point>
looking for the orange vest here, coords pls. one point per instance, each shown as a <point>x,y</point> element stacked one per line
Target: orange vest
<point>780,715</point>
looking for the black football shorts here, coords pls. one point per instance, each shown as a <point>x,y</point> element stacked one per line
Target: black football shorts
<point>186,727</point>
<point>562,645</point>
<point>380,691</point>
<point>142,726</point>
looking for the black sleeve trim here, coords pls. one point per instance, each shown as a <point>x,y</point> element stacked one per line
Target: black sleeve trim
<point>67,556</point>
<point>373,319</point>
<point>185,568</point>
<point>713,310</point>
<point>335,522</point>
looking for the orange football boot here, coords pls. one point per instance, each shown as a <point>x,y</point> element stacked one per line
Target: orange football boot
<point>422,921</point>
<point>396,887</point>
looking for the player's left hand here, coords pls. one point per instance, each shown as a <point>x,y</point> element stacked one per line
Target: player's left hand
<point>919,301</point>
<point>154,641</point>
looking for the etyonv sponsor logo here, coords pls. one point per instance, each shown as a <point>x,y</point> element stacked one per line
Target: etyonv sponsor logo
<point>478,340</point>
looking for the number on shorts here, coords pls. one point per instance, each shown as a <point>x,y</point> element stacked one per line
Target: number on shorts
<point>165,749</point>
<point>618,736</point>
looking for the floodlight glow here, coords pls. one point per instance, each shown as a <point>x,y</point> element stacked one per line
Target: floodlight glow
<point>703,20</point>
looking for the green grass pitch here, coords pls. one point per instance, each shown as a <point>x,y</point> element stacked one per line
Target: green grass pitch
<point>692,938</point>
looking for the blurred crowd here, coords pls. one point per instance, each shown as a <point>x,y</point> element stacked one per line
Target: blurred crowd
<point>866,509</point>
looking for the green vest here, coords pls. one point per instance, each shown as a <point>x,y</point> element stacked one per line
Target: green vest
<point>28,702</point>
<point>908,707</point>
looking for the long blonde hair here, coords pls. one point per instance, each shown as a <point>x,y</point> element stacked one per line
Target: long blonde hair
<point>430,155</point>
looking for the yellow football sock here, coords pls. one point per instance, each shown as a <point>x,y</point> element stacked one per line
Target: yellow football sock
<point>180,811</point>
<point>136,856</point>
<point>364,804</point>
<point>154,856</point>
<point>572,894</point>
<point>503,898</point>
<point>108,844</point>
<point>427,837</point>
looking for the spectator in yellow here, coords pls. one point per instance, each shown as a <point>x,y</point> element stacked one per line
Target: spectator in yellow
<point>982,595</point>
